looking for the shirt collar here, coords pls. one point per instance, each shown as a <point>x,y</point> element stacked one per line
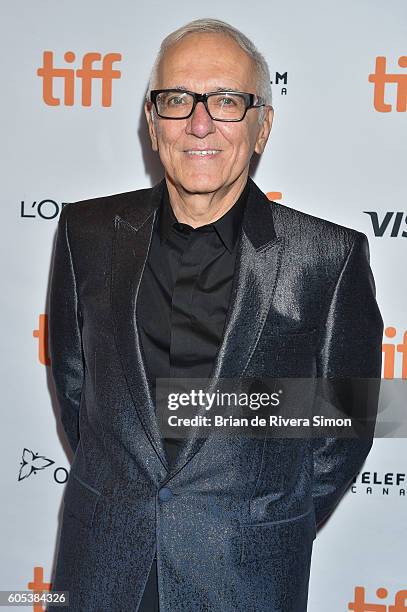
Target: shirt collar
<point>227,227</point>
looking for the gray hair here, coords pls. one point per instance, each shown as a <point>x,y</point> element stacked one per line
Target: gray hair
<point>219,27</point>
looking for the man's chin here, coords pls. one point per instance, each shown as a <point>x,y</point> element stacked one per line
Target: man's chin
<point>200,185</point>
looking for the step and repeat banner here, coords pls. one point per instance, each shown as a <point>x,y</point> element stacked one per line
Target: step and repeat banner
<point>74,79</point>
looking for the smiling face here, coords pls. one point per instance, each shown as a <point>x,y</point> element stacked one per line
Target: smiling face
<point>204,62</point>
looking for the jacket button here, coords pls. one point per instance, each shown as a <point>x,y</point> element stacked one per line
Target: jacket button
<point>165,494</point>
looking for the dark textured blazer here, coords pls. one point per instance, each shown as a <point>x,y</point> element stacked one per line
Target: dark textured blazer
<point>234,527</point>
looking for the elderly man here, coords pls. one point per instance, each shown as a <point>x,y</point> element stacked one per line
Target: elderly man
<point>200,276</point>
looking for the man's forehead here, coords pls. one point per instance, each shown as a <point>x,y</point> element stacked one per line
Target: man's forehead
<point>185,66</point>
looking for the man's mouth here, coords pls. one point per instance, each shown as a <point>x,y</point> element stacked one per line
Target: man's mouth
<point>202,152</point>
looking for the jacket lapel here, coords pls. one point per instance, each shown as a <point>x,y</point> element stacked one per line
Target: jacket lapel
<point>132,237</point>
<point>257,266</point>
<point>256,271</point>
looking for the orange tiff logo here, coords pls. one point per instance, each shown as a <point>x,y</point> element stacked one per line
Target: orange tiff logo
<point>87,74</point>
<point>380,78</point>
<point>360,605</point>
<point>390,350</point>
<point>42,334</point>
<point>39,586</point>
<point>274,195</point>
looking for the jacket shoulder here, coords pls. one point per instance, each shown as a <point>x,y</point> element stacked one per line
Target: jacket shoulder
<point>305,226</point>
<point>104,208</point>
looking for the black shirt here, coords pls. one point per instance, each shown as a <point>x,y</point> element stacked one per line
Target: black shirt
<point>184,294</point>
<point>182,304</point>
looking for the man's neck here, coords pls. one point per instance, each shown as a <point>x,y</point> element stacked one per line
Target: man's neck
<point>198,209</point>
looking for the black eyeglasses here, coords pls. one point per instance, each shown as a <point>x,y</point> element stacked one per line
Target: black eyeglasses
<point>220,105</point>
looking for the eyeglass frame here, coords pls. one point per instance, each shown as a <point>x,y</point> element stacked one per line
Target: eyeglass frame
<point>203,97</point>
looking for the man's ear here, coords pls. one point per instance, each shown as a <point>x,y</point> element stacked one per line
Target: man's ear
<point>148,110</point>
<point>265,130</point>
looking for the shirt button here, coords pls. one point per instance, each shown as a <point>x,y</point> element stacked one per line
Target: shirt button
<point>165,494</point>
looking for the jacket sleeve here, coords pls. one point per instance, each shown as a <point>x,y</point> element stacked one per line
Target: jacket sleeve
<point>65,341</point>
<point>349,357</point>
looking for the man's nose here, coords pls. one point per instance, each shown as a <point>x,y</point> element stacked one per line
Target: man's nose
<point>200,123</point>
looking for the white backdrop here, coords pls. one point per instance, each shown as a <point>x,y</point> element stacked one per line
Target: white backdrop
<point>332,152</point>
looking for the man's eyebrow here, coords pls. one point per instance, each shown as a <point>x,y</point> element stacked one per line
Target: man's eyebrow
<point>226,89</point>
<point>216,88</point>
